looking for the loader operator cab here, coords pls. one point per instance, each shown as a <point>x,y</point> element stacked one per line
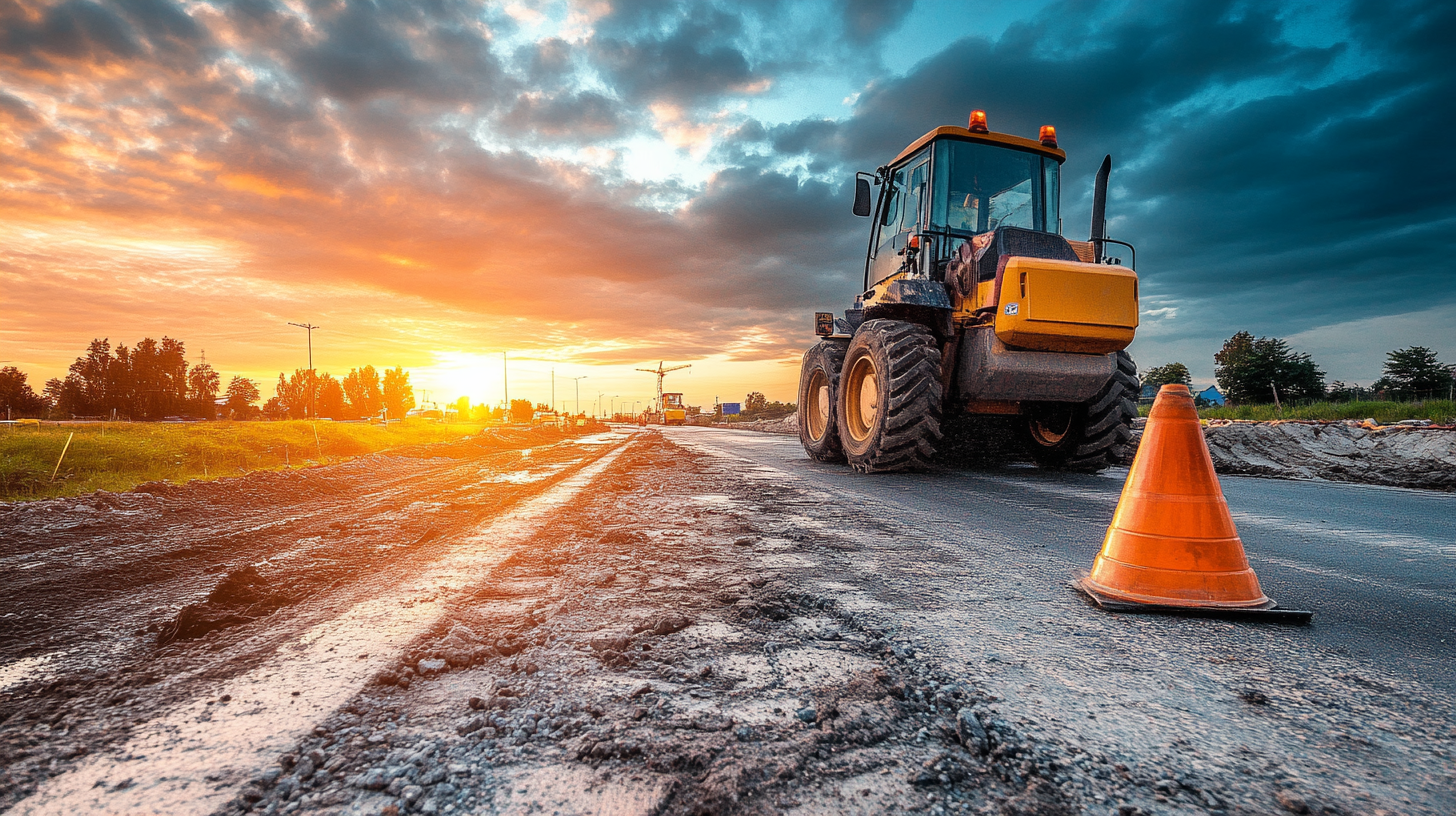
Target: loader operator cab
<point>959,185</point>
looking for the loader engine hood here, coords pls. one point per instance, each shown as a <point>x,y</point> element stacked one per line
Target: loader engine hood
<point>1069,306</point>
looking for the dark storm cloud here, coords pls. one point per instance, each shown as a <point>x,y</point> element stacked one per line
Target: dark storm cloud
<point>695,60</point>
<point>866,20</point>
<point>546,62</point>
<point>578,118</point>
<point>75,30</point>
<point>364,55</point>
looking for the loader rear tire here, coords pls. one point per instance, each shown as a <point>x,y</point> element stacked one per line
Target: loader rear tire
<point>818,393</point>
<point>1090,436</point>
<point>889,405</point>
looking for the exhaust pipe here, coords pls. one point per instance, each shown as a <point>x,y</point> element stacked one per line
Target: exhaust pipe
<point>1099,208</point>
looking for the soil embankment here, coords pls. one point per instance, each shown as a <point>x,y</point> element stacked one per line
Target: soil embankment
<point>1392,455</point>
<point>1404,455</point>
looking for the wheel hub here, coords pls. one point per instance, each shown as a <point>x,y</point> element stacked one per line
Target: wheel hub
<point>816,413</point>
<point>863,395</point>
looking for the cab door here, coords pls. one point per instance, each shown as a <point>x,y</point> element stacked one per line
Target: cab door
<point>902,215</point>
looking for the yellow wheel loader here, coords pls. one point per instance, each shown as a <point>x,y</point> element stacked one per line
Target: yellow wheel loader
<point>974,305</point>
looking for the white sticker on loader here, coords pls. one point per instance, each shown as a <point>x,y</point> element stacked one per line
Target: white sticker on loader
<point>1013,308</point>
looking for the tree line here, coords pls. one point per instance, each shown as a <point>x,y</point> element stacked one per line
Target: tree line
<point>1264,370</point>
<point>360,394</point>
<point>153,380</point>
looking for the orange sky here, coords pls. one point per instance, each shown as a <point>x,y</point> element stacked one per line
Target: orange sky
<point>174,189</point>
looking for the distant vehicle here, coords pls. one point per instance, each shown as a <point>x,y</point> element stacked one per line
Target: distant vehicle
<point>673,412</point>
<point>546,418</point>
<point>425,413</point>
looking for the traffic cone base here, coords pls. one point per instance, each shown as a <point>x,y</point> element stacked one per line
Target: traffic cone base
<point>1172,545</point>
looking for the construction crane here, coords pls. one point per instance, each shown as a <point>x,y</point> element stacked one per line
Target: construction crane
<point>662,372</point>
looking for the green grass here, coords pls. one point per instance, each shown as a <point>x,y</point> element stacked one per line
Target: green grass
<point>118,456</point>
<point>1441,411</point>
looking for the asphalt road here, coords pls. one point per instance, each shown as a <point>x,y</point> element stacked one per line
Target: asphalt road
<point>1377,565</point>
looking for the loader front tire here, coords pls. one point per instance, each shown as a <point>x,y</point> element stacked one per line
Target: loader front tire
<point>889,405</point>
<point>1090,436</point>
<point>818,393</point>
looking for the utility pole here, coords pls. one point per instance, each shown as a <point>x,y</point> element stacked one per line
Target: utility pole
<point>506,380</point>
<point>578,391</point>
<point>553,388</point>
<point>599,403</point>
<point>310,327</point>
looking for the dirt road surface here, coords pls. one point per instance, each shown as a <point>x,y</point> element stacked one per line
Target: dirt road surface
<point>702,621</point>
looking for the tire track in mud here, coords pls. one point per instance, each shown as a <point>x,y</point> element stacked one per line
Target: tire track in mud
<point>201,749</point>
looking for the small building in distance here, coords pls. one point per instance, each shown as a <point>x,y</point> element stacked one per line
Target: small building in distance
<point>1209,396</point>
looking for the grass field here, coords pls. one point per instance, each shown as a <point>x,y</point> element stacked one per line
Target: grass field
<point>118,456</point>
<point>1442,411</point>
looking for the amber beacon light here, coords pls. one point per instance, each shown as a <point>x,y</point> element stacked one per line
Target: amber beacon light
<point>1048,136</point>
<point>978,122</point>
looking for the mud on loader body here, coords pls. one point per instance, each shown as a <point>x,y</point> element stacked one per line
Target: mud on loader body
<point>975,305</point>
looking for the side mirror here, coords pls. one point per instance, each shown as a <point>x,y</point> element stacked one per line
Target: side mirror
<point>861,196</point>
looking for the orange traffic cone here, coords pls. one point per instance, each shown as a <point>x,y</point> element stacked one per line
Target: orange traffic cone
<point>1172,546</point>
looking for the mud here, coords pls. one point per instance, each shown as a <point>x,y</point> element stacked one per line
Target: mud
<point>620,624</point>
<point>118,604</point>
<point>665,667</point>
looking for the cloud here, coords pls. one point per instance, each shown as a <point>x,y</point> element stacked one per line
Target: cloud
<point>415,172</point>
<point>581,118</point>
<point>866,20</point>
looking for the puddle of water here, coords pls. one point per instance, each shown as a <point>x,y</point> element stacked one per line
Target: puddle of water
<point>523,476</point>
<point>26,668</point>
<point>714,499</point>
<point>608,438</point>
<point>173,760</point>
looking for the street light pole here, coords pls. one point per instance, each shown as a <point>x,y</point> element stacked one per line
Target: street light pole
<point>578,391</point>
<point>310,327</point>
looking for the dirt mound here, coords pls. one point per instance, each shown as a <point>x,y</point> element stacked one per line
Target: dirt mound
<point>241,597</point>
<point>1391,455</point>
<point>786,425</point>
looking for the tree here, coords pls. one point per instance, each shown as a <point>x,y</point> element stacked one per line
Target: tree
<point>1415,373</point>
<point>241,394</point>
<point>1170,374</point>
<point>522,410</point>
<point>292,393</point>
<point>17,398</point>
<point>202,387</point>
<point>399,395</point>
<point>1249,370</point>
<point>462,408</point>
<point>361,386</point>
<point>88,389</point>
<point>754,403</point>
<point>330,398</point>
